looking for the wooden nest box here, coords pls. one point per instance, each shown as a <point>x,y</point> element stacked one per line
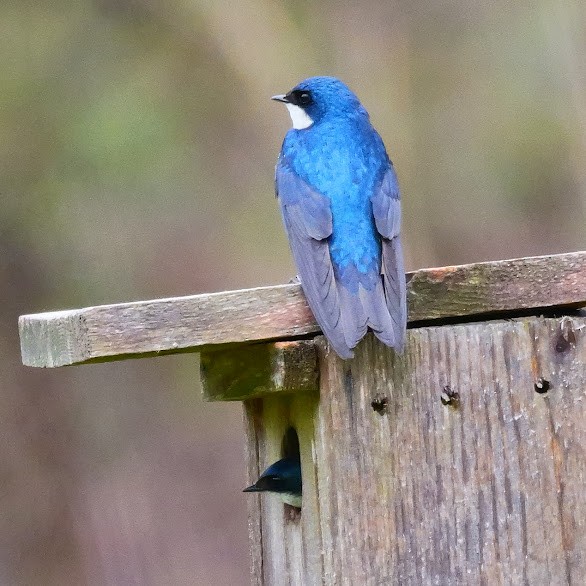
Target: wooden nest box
<point>463,461</point>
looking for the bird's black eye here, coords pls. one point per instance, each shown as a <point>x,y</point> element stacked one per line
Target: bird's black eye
<point>304,98</point>
<point>300,98</point>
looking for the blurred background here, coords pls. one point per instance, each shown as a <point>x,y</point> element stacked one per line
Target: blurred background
<point>136,161</point>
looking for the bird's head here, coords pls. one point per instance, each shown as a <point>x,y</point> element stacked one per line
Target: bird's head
<point>282,477</point>
<point>318,98</point>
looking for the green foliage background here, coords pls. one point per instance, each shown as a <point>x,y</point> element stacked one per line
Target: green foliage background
<point>136,160</point>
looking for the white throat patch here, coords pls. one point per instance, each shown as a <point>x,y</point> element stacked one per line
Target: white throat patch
<point>291,499</point>
<point>299,117</point>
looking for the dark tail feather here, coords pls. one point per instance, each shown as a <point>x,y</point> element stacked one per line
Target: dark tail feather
<point>345,317</point>
<point>379,320</point>
<point>363,310</point>
<point>352,316</point>
<point>382,307</point>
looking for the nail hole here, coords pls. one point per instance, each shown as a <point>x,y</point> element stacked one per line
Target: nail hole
<point>542,385</point>
<point>380,404</point>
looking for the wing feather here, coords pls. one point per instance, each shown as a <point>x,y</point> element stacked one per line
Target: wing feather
<point>386,208</point>
<point>308,221</point>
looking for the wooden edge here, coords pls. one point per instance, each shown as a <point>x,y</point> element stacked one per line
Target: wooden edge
<point>258,370</point>
<point>172,325</point>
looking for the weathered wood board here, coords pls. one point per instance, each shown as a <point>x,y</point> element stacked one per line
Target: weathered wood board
<point>491,491</point>
<point>258,370</point>
<point>199,322</point>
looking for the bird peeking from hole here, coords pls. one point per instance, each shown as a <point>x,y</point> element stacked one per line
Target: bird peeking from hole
<point>340,203</point>
<point>282,478</point>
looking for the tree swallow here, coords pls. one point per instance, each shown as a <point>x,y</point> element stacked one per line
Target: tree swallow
<point>282,478</point>
<point>340,203</point>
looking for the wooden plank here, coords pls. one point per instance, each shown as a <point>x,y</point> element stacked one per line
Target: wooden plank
<point>163,326</point>
<point>259,369</point>
<point>490,491</point>
<point>197,322</point>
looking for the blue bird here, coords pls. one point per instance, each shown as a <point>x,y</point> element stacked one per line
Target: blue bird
<point>340,203</point>
<point>282,478</point>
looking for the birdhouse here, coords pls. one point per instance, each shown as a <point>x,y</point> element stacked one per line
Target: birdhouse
<point>461,461</point>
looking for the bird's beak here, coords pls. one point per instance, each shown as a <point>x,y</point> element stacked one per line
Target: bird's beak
<point>280,98</point>
<point>252,488</point>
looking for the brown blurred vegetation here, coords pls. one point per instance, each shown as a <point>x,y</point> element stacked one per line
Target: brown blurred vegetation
<point>137,153</point>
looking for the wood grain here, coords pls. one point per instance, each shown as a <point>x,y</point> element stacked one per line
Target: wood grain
<point>197,322</point>
<point>259,369</point>
<point>488,492</point>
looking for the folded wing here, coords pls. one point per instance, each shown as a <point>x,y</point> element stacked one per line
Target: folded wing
<point>386,208</point>
<point>307,217</point>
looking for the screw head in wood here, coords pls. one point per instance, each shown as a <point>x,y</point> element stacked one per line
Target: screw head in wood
<point>449,397</point>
